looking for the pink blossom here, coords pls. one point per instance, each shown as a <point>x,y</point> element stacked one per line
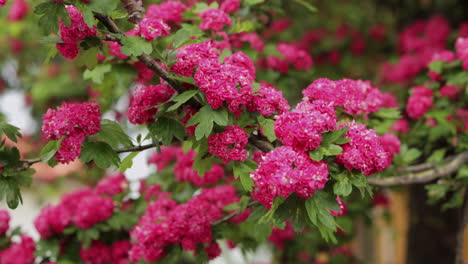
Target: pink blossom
<point>230,6</point>
<point>214,19</point>
<point>268,101</point>
<point>450,91</point>
<point>19,252</point>
<point>189,57</point>
<point>390,143</point>
<point>401,126</point>
<point>73,121</point>
<point>145,99</point>
<point>302,128</point>
<point>169,11</point>
<point>364,152</point>
<point>341,206</point>
<point>3,2</point>
<point>52,220</point>
<point>461,46</point>
<point>112,185</point>
<point>167,155</point>
<point>213,250</point>
<point>184,172</point>
<point>252,38</point>
<point>97,253</point>
<point>93,209</point>
<point>4,221</point>
<point>419,102</point>
<point>297,57</point>
<point>151,28</point>
<point>230,144</point>
<point>279,236</point>
<point>18,10</point>
<point>284,171</point>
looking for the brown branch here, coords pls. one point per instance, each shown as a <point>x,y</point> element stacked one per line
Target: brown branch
<point>231,215</point>
<point>453,164</point>
<point>461,232</point>
<point>134,9</point>
<point>262,145</point>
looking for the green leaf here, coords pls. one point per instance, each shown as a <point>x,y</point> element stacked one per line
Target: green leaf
<point>97,74</point>
<point>388,113</point>
<point>202,165</point>
<point>242,26</point>
<point>181,99</point>
<point>436,66</point>
<point>165,129</point>
<point>316,154</point>
<point>268,126</point>
<point>307,5</point>
<point>183,79</point>
<point>246,182</point>
<point>10,131</point>
<point>51,13</point>
<point>135,46</point>
<point>253,2</point>
<point>318,209</point>
<point>204,118</point>
<point>456,200</point>
<point>332,150</point>
<point>180,37</point>
<point>112,133</point>
<point>103,6</point>
<point>342,187</point>
<point>436,191</point>
<point>437,155</point>
<point>333,136</point>
<point>49,150</point>
<point>220,117</point>
<point>101,153</point>
<point>127,162</point>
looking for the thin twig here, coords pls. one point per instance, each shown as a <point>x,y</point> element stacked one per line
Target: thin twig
<point>231,215</point>
<point>134,9</point>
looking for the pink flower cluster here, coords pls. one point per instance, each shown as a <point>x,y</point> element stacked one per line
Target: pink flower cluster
<point>390,143</point>
<point>445,56</point>
<point>230,144</point>
<point>166,223</point>
<point>292,54</point>
<point>150,28</point>
<point>254,40</point>
<point>228,82</point>
<point>462,51</point>
<point>18,10</point>
<point>268,101</point>
<point>3,2</point>
<point>83,208</point>
<point>364,152</point>
<point>19,252</point>
<point>4,221</point>
<point>341,207</point>
<point>189,57</point>
<point>302,128</point>
<point>100,253</point>
<point>169,12</point>
<point>284,171</point>
<point>72,122</point>
<point>230,6</point>
<point>112,185</point>
<point>184,171</point>
<point>355,96</point>
<point>401,126</point>
<point>279,236</point>
<point>419,102</point>
<point>77,31</point>
<point>145,99</point>
<point>214,19</point>
<point>167,155</point>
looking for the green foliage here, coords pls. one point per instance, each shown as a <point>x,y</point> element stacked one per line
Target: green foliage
<point>10,131</point>
<point>101,153</point>
<point>97,74</point>
<point>318,209</point>
<point>166,129</point>
<point>51,12</point>
<point>127,162</point>
<point>112,133</point>
<point>388,113</point>
<point>135,46</point>
<point>242,170</point>
<point>181,99</point>
<point>330,144</point>
<point>49,150</point>
<point>268,126</point>
<point>205,118</point>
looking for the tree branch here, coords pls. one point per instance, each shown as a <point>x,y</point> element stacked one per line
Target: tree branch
<point>231,215</point>
<point>134,9</point>
<point>452,164</point>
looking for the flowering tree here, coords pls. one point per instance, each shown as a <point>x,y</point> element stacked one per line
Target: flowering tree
<point>243,152</point>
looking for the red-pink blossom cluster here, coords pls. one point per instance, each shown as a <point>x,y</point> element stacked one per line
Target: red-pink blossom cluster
<point>228,82</point>
<point>4,221</point>
<point>284,171</point>
<point>254,40</point>
<point>279,236</point>
<point>145,100</point>
<point>214,19</point>
<point>341,208</point>
<point>418,43</point>
<point>72,122</point>
<point>401,126</point>
<point>112,185</point>
<point>462,51</point>
<point>419,102</point>
<point>230,6</point>
<point>355,96</point>
<point>19,252</point>
<point>390,143</point>
<point>291,54</point>
<point>100,253</point>
<point>302,128</point>
<point>364,151</point>
<point>151,28</point>
<point>71,35</point>
<point>166,223</point>
<point>168,11</point>
<point>268,101</point>
<point>184,171</point>
<point>83,208</point>
<point>3,3</point>
<point>230,144</point>
<point>18,10</point>
<point>189,57</point>
<point>445,56</point>
<point>166,156</point>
